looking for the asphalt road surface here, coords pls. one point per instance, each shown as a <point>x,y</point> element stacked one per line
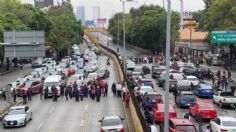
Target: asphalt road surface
<point>71,116</point>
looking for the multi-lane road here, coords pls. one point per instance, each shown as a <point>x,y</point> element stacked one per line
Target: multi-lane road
<point>180,111</point>
<point>71,116</point>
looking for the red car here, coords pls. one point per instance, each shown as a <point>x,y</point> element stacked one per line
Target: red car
<point>35,85</point>
<point>206,108</point>
<point>180,125</point>
<point>159,110</point>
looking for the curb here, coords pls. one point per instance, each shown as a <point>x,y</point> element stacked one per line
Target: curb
<point>4,111</point>
<point>6,72</point>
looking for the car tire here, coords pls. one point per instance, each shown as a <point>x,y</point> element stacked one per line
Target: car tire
<point>221,105</point>
<point>31,116</point>
<point>25,122</point>
<point>4,126</point>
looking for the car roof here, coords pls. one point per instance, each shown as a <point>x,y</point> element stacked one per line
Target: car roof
<point>181,121</point>
<point>227,118</point>
<point>16,107</point>
<point>205,86</point>
<point>191,76</point>
<point>111,117</point>
<point>146,87</point>
<point>186,92</point>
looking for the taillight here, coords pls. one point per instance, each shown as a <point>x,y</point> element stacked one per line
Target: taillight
<point>102,130</point>
<point>223,130</point>
<point>122,130</point>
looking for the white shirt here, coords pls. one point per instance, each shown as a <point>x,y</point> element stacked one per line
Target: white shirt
<point>153,128</point>
<point>118,87</point>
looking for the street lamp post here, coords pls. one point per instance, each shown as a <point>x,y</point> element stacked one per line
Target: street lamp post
<point>118,34</point>
<point>166,116</point>
<point>124,54</point>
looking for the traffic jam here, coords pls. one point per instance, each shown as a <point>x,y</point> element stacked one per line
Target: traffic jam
<point>199,99</point>
<point>78,73</point>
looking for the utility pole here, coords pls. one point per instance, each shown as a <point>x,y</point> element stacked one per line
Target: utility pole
<point>181,14</point>
<point>166,116</point>
<point>124,54</point>
<point>118,34</point>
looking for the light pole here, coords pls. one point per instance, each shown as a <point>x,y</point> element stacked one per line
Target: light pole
<point>118,34</point>
<point>166,117</point>
<point>181,14</point>
<point>124,54</point>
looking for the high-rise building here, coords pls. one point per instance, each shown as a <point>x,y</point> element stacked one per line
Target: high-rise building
<point>96,14</point>
<point>43,3</point>
<point>80,14</point>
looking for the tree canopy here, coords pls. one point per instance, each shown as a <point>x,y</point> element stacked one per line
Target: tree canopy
<point>145,27</point>
<point>59,23</point>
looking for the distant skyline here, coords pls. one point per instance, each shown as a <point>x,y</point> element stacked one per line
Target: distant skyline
<point>109,7</point>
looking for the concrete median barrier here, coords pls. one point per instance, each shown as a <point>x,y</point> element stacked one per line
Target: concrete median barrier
<point>4,111</point>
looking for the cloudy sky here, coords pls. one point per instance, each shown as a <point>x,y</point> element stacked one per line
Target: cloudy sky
<point>109,7</point>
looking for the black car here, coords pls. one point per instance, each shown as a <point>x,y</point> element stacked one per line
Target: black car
<point>157,71</point>
<point>146,70</point>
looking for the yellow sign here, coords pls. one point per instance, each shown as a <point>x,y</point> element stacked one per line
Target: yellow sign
<point>191,24</point>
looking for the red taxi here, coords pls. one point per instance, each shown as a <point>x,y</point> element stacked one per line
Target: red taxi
<point>206,109</point>
<point>180,125</point>
<point>159,110</point>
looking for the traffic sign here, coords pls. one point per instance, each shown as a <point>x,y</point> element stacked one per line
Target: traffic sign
<point>223,37</point>
<point>191,24</point>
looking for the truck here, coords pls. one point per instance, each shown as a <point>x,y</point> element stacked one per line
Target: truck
<point>224,98</point>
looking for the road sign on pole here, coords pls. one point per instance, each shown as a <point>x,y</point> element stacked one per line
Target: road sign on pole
<point>223,37</point>
<point>191,24</point>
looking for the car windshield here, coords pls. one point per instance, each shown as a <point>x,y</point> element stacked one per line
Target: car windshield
<point>28,83</point>
<point>50,84</point>
<point>101,71</point>
<point>206,106</point>
<point>111,122</point>
<point>229,123</point>
<point>74,78</point>
<point>16,111</point>
<point>138,70</point>
<point>185,127</point>
<point>147,89</point>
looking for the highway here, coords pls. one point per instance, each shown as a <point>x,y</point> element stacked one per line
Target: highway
<point>71,116</point>
<point>180,111</point>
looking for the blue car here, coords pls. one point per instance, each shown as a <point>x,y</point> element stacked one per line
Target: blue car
<point>204,90</point>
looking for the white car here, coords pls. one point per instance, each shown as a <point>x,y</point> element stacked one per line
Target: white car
<point>144,89</point>
<point>131,65</point>
<point>112,124</point>
<point>193,80</point>
<point>17,116</point>
<point>223,124</point>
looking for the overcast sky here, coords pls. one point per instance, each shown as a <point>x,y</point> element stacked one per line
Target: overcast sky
<point>109,7</point>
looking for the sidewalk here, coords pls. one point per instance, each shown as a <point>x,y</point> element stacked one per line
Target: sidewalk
<point>214,69</point>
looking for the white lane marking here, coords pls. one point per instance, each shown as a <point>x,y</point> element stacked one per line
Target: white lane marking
<point>40,125</point>
<point>82,123</point>
<point>86,107</point>
<point>52,109</point>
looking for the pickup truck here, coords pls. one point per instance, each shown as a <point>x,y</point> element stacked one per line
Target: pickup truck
<point>224,98</point>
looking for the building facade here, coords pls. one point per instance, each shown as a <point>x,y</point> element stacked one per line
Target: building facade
<point>96,15</point>
<point>43,3</point>
<point>80,14</point>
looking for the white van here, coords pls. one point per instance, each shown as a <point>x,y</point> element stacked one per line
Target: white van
<point>52,80</point>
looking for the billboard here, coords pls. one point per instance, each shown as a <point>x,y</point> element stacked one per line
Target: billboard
<point>89,23</point>
<point>188,15</point>
<point>101,21</point>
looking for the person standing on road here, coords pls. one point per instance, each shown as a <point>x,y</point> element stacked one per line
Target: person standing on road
<point>127,99</point>
<point>207,129</point>
<point>218,74</point>
<point>113,88</point>
<point>62,89</point>
<point>46,93</point>
<point>14,95</point>
<point>153,127</point>
<point>199,119</point>
<point>29,93</point>
<point>118,89</point>
<point>229,75</point>
<point>105,90</point>
<point>66,93</point>
<point>24,96</point>
<point>77,95</point>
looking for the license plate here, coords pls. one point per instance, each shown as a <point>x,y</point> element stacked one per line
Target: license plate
<point>11,123</point>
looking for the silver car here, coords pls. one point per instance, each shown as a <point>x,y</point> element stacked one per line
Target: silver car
<point>112,123</point>
<point>17,116</point>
